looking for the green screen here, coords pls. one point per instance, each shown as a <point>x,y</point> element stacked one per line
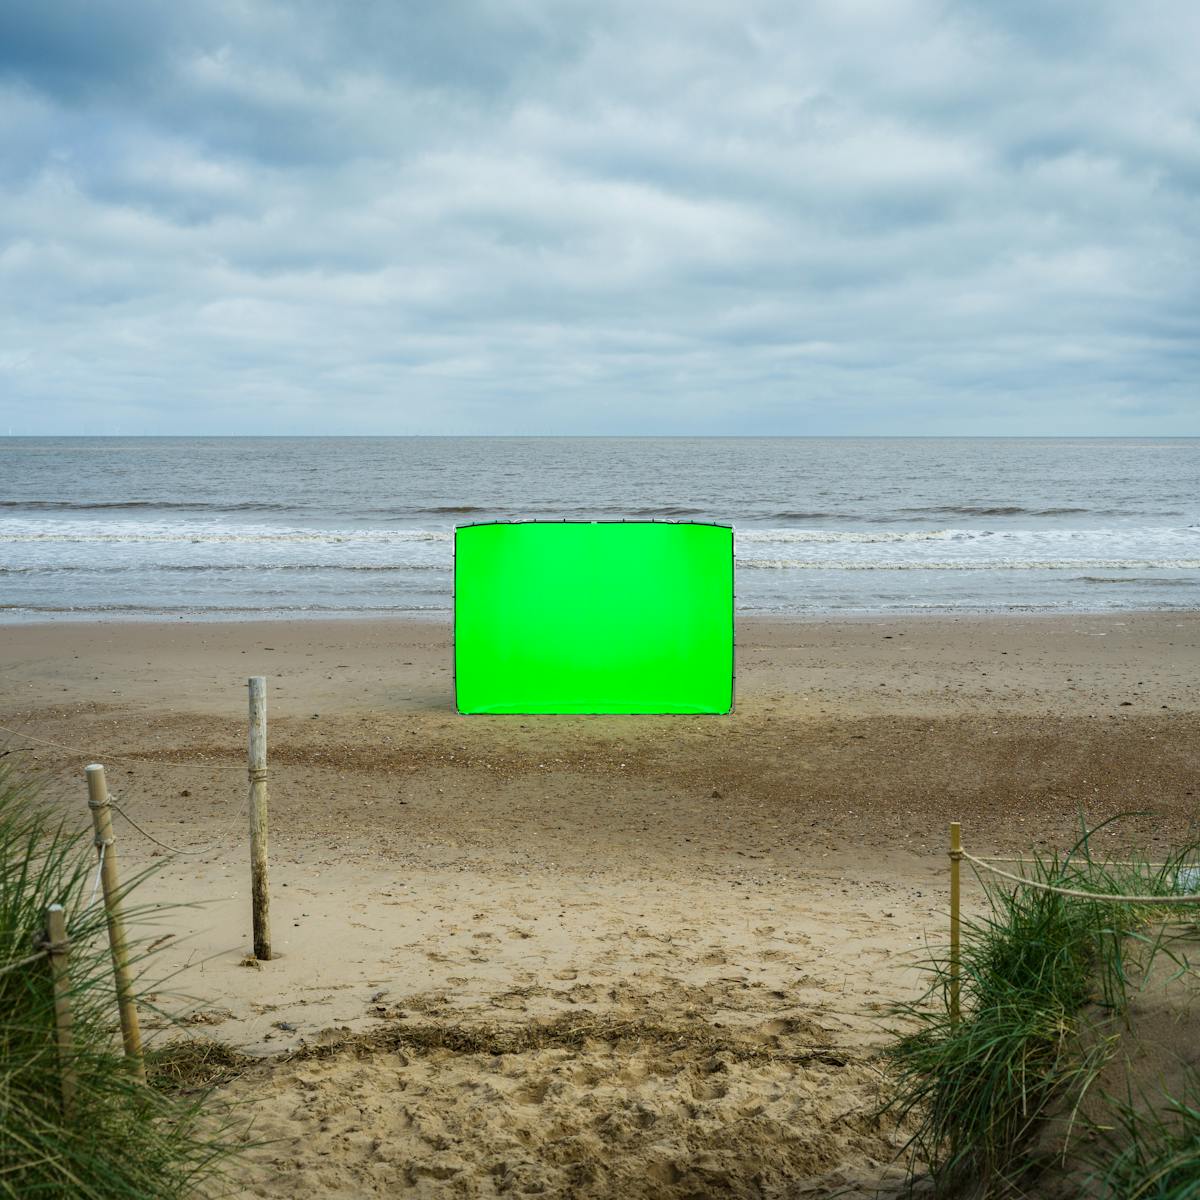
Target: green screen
<point>593,617</point>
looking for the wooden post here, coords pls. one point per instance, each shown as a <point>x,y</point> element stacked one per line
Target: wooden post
<point>102,822</point>
<point>260,899</point>
<point>955,962</point>
<point>58,948</point>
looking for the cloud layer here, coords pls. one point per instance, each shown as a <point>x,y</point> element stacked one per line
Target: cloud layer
<point>875,216</point>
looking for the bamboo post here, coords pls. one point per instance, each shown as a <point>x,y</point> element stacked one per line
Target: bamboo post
<point>955,961</point>
<point>260,899</point>
<point>58,948</point>
<point>98,802</point>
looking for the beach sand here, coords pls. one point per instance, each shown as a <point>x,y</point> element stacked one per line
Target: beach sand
<point>590,956</point>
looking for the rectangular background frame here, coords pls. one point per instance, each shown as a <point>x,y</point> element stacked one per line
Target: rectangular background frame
<point>537,611</point>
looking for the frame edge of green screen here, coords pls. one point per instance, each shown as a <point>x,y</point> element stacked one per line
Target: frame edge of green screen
<point>586,521</point>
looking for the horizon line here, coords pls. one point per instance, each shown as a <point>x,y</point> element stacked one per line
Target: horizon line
<point>616,436</point>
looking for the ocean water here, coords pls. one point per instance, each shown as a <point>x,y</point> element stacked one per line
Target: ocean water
<point>258,527</point>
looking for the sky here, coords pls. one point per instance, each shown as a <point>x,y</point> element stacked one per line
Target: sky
<point>661,217</point>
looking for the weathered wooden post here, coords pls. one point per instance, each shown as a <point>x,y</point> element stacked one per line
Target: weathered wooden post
<point>58,948</point>
<point>102,822</point>
<point>260,899</point>
<point>955,964</point>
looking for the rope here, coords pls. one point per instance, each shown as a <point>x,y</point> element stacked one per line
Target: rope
<point>177,850</point>
<point>90,754</point>
<point>22,962</point>
<point>173,850</point>
<point>1081,895</point>
<point>103,844</point>
<point>256,774</point>
<point>1108,862</point>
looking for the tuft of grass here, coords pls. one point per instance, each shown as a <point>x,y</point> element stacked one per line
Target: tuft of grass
<point>979,1089</point>
<point>126,1140</point>
<point>1151,1153</point>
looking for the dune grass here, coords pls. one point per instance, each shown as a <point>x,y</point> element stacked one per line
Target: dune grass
<point>126,1140</point>
<point>1039,972</point>
<point>1149,1153</point>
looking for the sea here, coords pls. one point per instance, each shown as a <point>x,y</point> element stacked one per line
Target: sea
<point>241,528</point>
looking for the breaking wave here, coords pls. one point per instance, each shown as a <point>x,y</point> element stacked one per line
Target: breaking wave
<point>200,536</point>
<point>218,568</point>
<point>143,506</point>
<point>992,510</point>
<point>961,564</point>
<point>863,537</point>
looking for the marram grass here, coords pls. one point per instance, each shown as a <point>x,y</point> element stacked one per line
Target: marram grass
<point>126,1140</point>
<point>1151,1154</point>
<point>979,1091</point>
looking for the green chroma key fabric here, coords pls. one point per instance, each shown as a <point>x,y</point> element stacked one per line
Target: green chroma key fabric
<point>593,617</point>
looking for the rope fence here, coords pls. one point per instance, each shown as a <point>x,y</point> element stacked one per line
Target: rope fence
<point>957,854</point>
<point>138,758</point>
<point>188,852</point>
<point>256,776</point>
<point>54,947</point>
<point>255,807</point>
<point>1109,862</point>
<point>22,962</point>
<point>1079,894</point>
<point>54,944</point>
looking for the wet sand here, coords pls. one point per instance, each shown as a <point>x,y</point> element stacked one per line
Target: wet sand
<point>691,926</point>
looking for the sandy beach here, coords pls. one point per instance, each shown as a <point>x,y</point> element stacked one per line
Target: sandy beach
<point>590,956</point>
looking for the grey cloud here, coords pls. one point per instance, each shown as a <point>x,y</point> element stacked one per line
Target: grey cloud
<point>532,217</point>
<point>76,49</point>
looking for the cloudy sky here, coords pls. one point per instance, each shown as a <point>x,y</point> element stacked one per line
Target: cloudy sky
<point>856,216</point>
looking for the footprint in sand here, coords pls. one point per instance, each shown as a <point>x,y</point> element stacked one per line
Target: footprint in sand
<point>510,1000</point>
<point>709,1089</point>
<point>532,1092</point>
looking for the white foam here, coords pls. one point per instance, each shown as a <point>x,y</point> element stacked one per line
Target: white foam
<point>193,534</point>
<point>177,544</point>
<point>949,564</point>
<point>864,537</point>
